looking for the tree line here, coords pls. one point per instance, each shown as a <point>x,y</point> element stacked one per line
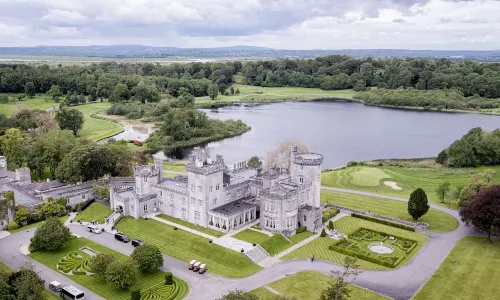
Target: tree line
<point>475,148</point>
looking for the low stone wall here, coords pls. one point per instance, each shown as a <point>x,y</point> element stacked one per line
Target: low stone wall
<point>419,226</point>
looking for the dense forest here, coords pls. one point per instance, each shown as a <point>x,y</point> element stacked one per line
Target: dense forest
<point>476,148</point>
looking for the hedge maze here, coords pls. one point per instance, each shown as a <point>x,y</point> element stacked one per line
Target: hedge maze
<point>178,290</point>
<point>75,263</point>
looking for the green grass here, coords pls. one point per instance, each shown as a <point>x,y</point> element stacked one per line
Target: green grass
<point>176,167</point>
<point>187,246</point>
<point>95,212</point>
<point>93,283</point>
<point>438,221</point>
<point>348,225</point>
<point>208,231</point>
<point>273,94</point>
<point>263,293</point>
<point>371,179</point>
<point>35,225</point>
<point>97,129</point>
<point>308,285</point>
<point>37,102</point>
<point>273,245</point>
<point>48,294</point>
<point>470,271</point>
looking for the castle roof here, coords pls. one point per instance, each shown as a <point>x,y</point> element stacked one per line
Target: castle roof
<point>234,207</point>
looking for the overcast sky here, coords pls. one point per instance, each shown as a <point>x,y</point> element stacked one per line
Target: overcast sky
<point>284,24</point>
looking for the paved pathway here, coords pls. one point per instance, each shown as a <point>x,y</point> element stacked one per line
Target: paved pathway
<point>401,283</point>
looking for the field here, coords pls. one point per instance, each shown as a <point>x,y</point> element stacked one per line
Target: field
<point>273,245</point>
<point>144,281</point>
<point>438,221</point>
<point>7,270</point>
<point>208,231</point>
<point>186,246</point>
<point>37,102</point>
<point>35,225</point>
<point>371,179</point>
<point>272,94</point>
<point>97,129</point>
<point>470,271</point>
<point>307,285</point>
<point>349,225</point>
<point>95,212</point>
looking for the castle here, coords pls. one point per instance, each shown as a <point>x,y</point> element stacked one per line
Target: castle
<point>213,196</point>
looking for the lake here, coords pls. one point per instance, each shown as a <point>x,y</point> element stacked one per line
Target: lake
<point>344,131</point>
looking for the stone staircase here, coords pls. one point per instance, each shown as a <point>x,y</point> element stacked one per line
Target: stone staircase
<point>257,254</point>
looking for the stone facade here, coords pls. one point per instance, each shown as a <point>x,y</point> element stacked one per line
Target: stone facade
<point>213,196</point>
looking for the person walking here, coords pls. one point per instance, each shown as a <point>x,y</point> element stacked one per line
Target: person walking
<point>312,258</point>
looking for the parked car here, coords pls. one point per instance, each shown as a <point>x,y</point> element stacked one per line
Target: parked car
<point>203,268</point>
<point>137,242</point>
<point>196,266</point>
<point>94,229</point>
<point>191,264</point>
<point>121,237</point>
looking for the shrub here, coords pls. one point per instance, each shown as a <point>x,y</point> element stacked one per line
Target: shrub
<point>169,279</point>
<point>135,293</point>
<point>51,235</point>
<point>100,263</point>
<point>210,241</point>
<point>242,250</point>
<point>12,225</point>
<point>301,229</point>
<point>389,223</point>
<point>148,258</point>
<point>86,204</point>
<point>121,274</point>
<point>254,244</point>
<point>352,163</point>
<point>323,233</point>
<point>330,225</point>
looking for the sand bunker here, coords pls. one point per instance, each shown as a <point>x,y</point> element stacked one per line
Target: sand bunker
<point>393,185</point>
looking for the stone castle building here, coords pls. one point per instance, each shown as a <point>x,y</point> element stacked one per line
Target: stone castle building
<point>213,196</point>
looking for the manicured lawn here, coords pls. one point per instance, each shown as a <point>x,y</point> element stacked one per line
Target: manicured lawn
<point>470,271</point>
<point>187,246</point>
<point>209,231</point>
<point>271,94</point>
<point>263,293</point>
<point>93,283</point>
<point>371,179</point>
<point>439,221</point>
<point>176,167</point>
<point>95,212</point>
<point>97,129</point>
<point>273,245</point>
<point>48,294</point>
<point>35,225</point>
<point>308,285</point>
<point>37,102</point>
<point>349,225</point>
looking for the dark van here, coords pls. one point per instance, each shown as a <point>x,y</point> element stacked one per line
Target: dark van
<point>121,237</point>
<point>137,243</point>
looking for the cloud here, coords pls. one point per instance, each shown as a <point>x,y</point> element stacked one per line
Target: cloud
<point>285,24</point>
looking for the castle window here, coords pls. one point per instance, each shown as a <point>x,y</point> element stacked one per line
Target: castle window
<point>161,193</point>
<point>192,188</point>
<point>200,203</point>
<point>193,201</point>
<point>200,188</point>
<point>196,215</point>
<point>239,193</point>
<point>301,179</point>
<point>215,201</point>
<point>160,204</point>
<point>183,200</point>
<point>145,208</point>
<point>83,196</point>
<point>217,187</point>
<point>171,196</point>
<point>210,189</point>
<point>183,213</point>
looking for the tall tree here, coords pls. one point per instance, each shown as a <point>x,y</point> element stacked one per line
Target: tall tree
<point>29,89</point>
<point>281,155</point>
<point>100,263</point>
<point>483,211</point>
<point>418,204</point>
<point>70,119</point>
<point>54,92</point>
<point>121,274</point>
<point>13,148</point>
<point>442,190</point>
<point>51,235</point>
<point>239,295</point>
<point>120,93</point>
<point>338,289</point>
<point>26,284</point>
<point>213,91</point>
<point>254,162</point>
<point>148,258</point>
<point>477,182</point>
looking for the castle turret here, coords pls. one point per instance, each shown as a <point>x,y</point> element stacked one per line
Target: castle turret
<point>159,158</point>
<point>23,176</point>
<point>306,168</point>
<point>145,176</point>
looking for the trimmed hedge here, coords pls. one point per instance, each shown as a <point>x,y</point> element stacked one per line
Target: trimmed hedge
<point>301,229</point>
<point>12,225</point>
<point>389,223</point>
<point>329,213</point>
<point>364,257</point>
<point>169,279</point>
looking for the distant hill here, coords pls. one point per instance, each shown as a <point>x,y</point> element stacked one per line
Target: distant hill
<point>242,51</point>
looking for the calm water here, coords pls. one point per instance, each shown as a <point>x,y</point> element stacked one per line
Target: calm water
<point>344,131</point>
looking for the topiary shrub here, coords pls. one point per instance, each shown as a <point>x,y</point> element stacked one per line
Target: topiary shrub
<point>323,233</point>
<point>242,250</point>
<point>12,225</point>
<point>254,244</point>
<point>210,241</point>
<point>330,225</point>
<point>300,229</point>
<point>175,228</point>
<point>135,293</point>
<point>169,278</point>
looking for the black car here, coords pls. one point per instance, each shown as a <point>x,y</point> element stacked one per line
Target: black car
<point>121,237</point>
<point>137,242</point>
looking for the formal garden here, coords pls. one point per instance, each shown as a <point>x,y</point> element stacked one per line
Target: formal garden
<point>360,235</point>
<point>274,243</point>
<point>187,246</point>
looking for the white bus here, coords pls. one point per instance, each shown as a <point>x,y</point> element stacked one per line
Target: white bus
<point>70,292</point>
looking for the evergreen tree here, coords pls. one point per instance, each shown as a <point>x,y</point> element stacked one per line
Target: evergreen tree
<point>418,204</point>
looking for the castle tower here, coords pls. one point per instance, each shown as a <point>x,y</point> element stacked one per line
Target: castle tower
<point>205,185</point>
<point>23,176</point>
<point>145,177</point>
<point>159,158</point>
<point>305,169</point>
